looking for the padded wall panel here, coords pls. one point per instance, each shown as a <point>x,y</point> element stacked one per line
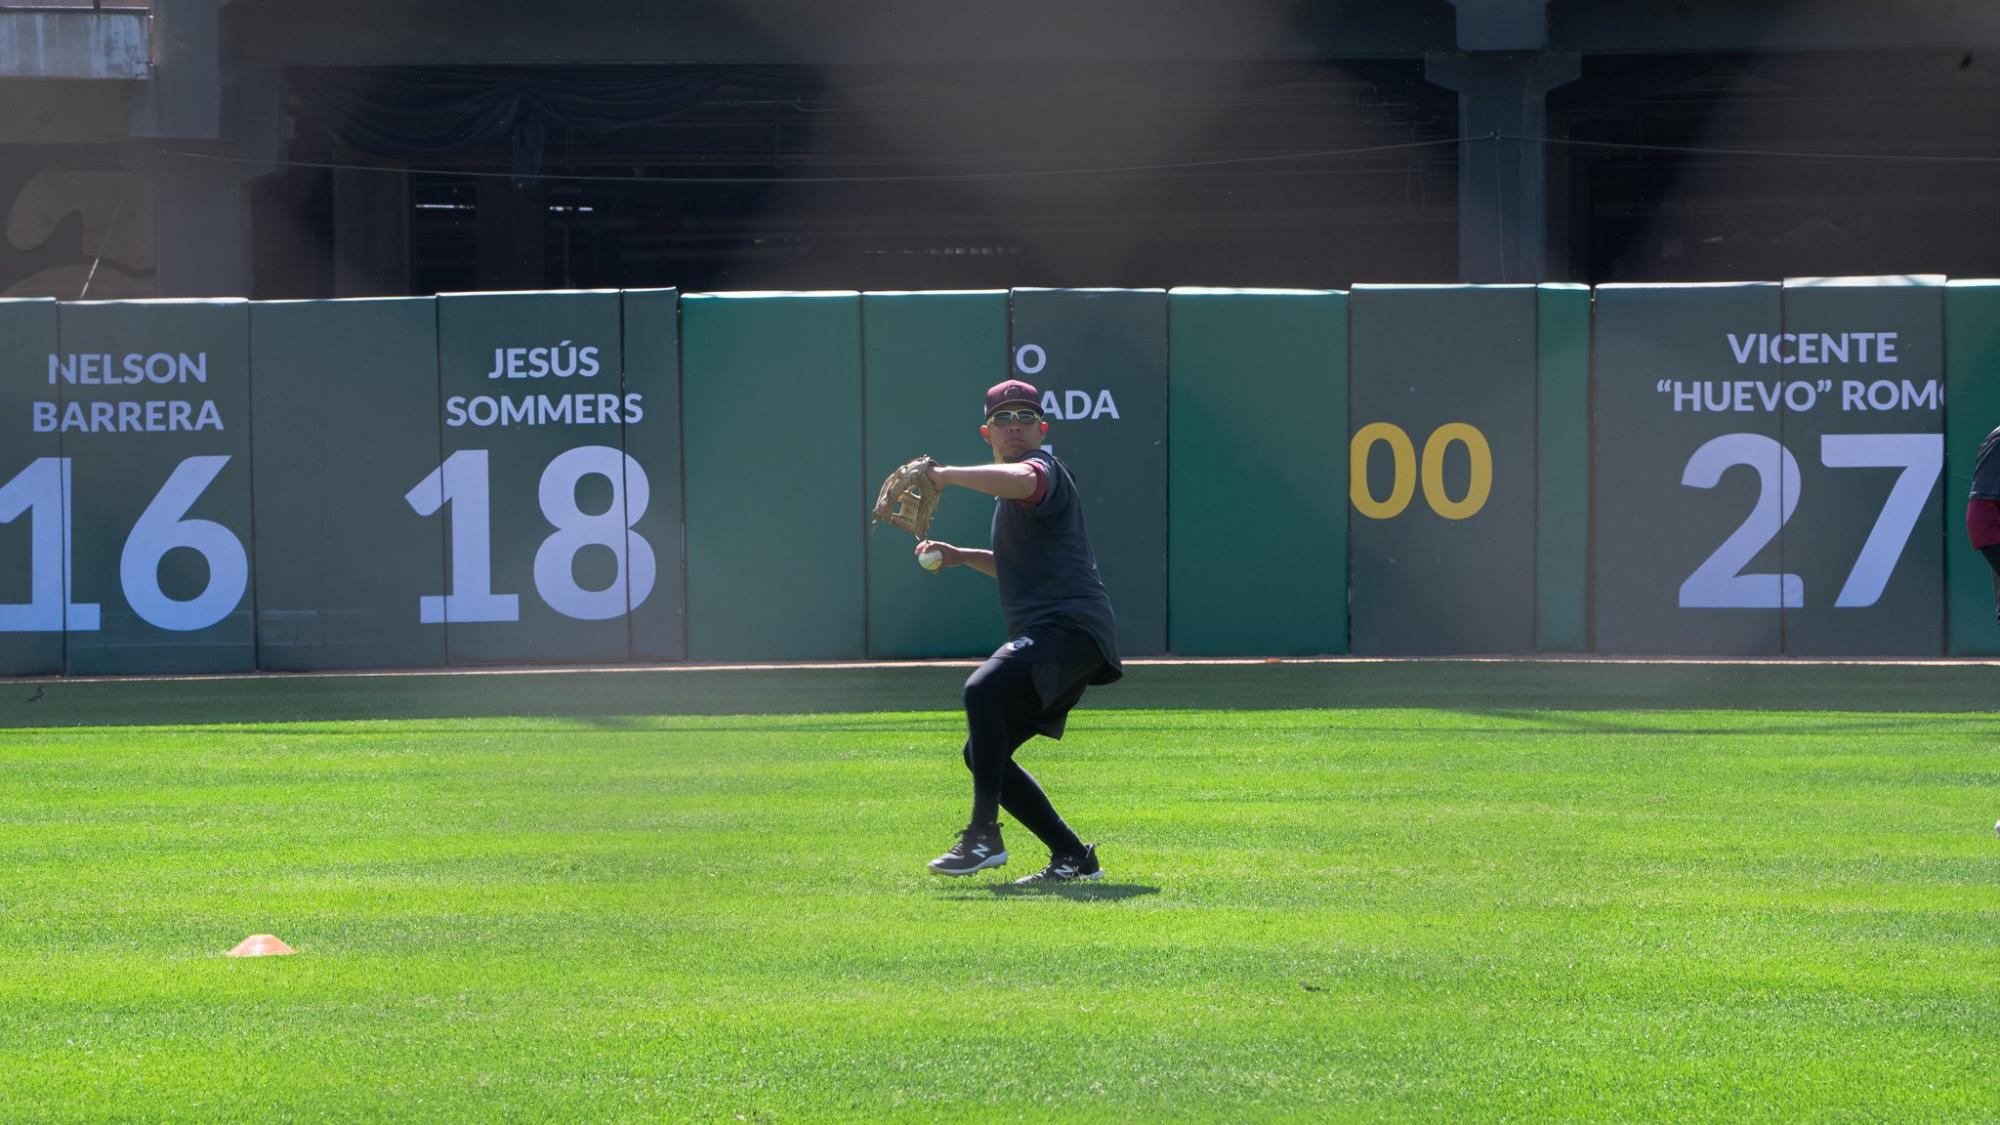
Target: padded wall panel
<point>1257,499</point>
<point>346,417</point>
<point>776,504</point>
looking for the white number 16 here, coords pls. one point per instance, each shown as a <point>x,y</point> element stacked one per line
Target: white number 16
<point>43,490</point>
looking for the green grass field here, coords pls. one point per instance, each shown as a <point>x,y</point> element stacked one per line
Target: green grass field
<point>611,905</point>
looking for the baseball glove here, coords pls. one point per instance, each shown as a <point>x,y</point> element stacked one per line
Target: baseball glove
<point>908,498</point>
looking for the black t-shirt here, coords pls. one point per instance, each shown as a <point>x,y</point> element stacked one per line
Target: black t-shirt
<point>1986,469</point>
<point>1047,572</point>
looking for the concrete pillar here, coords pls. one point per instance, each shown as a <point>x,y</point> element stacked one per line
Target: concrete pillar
<point>204,129</point>
<point>201,209</point>
<point>1502,158</point>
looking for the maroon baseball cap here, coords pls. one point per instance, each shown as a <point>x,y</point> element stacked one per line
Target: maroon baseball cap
<point>1013,390</point>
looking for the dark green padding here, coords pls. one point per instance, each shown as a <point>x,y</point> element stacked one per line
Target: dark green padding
<point>1257,502</point>
<point>653,373</point>
<point>929,358</point>
<point>1653,532</point>
<point>1562,476</point>
<point>1901,577</point>
<point>1971,411</point>
<point>776,505</point>
<point>31,636</point>
<point>1099,356</point>
<point>1424,358</point>
<point>559,357</point>
<point>124,452</point>
<point>346,421</point>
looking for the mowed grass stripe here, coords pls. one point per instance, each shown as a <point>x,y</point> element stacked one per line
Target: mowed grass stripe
<point>1389,913</point>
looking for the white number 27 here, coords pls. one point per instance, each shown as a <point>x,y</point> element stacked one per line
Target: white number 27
<point>1718,583</point>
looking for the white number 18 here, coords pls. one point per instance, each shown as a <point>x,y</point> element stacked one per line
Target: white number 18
<point>463,480</point>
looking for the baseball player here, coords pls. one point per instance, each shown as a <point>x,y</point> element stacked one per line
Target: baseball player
<point>1064,636</point>
<point>1982,510</point>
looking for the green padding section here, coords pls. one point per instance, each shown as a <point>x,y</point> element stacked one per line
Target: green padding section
<point>929,359</point>
<point>653,373</point>
<point>1656,347</point>
<point>1562,474</point>
<point>1437,572</point>
<point>531,383</point>
<point>31,627</point>
<point>776,499</point>
<point>1971,410</point>
<point>346,412</point>
<point>161,484</point>
<point>1866,539</point>
<point>1258,382</point>
<point>1099,357</point>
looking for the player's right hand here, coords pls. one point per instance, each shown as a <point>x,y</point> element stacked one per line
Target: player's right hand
<point>950,553</point>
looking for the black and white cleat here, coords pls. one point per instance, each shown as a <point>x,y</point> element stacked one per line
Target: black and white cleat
<point>977,849</point>
<point>1066,869</point>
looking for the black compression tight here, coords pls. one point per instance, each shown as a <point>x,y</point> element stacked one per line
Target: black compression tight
<point>1000,708</point>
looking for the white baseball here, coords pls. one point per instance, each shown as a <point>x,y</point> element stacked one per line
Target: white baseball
<point>931,560</point>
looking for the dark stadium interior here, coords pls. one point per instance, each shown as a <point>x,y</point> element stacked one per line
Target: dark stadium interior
<point>280,148</point>
<point>1135,175</point>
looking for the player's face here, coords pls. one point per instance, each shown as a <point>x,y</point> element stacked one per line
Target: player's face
<point>1014,431</point>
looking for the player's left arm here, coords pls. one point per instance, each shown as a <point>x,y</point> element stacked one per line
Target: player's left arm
<point>1016,481</point>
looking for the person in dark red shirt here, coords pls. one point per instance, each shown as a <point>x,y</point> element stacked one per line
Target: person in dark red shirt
<point>1982,510</point>
<point>1064,636</point>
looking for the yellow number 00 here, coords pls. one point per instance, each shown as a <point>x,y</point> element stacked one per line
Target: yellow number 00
<point>1404,484</point>
<point>1405,477</point>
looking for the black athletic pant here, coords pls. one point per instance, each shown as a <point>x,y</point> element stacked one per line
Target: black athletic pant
<point>1002,711</point>
<point>1993,560</point>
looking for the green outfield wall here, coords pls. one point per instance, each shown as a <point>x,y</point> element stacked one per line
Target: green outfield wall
<point>35,500</point>
<point>1743,469</point>
<point>155,431</point>
<point>652,434</point>
<point>1867,540</point>
<point>927,360</point>
<point>1099,357</point>
<point>776,490</point>
<point>1257,495</point>
<point>534,414</point>
<point>1441,402</point>
<point>1972,410</point>
<point>346,417</point>
<point>1686,490</point>
<point>1562,469</point>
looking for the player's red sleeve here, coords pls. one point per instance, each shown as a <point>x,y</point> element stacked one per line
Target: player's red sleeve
<point>1034,499</point>
<point>1982,522</point>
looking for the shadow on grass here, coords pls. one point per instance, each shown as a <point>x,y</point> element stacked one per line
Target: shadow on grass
<point>1075,892</point>
<point>945,735</point>
<point>612,697</point>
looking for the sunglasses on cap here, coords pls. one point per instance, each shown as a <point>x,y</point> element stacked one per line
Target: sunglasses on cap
<point>1009,417</point>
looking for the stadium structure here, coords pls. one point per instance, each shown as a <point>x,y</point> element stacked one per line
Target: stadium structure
<point>321,148</point>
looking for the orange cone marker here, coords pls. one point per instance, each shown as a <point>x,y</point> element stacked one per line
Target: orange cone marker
<point>260,945</point>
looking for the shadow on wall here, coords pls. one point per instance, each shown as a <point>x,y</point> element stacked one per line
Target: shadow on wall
<point>78,235</point>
